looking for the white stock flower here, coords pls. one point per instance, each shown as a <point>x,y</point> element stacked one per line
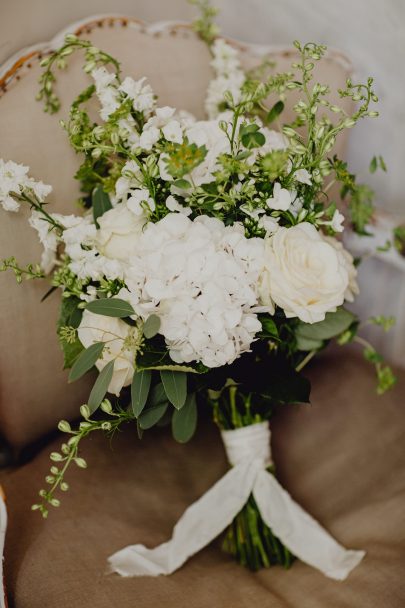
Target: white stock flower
<point>304,274</point>
<point>48,238</point>
<point>229,76</point>
<point>336,222</point>
<point>149,137</point>
<point>138,200</point>
<point>200,278</point>
<point>269,224</point>
<point>281,199</point>
<point>14,178</point>
<point>140,93</point>
<point>173,131</point>
<point>119,231</point>
<point>117,336</point>
<point>303,176</point>
<point>106,91</point>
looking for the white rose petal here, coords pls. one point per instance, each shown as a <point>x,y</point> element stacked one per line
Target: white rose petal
<point>119,232</point>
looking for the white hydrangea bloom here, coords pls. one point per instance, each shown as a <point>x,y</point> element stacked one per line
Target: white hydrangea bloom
<point>200,278</point>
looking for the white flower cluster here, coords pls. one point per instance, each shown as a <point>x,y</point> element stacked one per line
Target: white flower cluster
<point>229,76</point>
<point>112,94</point>
<point>14,178</point>
<point>201,279</point>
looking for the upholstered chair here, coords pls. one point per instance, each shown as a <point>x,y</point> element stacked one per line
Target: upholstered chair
<point>341,457</point>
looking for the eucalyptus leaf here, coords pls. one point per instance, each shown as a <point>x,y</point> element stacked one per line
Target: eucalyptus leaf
<point>100,202</point>
<point>157,395</point>
<point>183,184</point>
<point>308,344</point>
<point>86,360</point>
<point>184,421</point>
<point>111,307</point>
<point>151,326</point>
<point>269,328</point>
<point>274,112</point>
<point>151,415</point>
<point>100,386</point>
<point>140,390</point>
<point>174,368</point>
<point>175,385</point>
<point>334,324</point>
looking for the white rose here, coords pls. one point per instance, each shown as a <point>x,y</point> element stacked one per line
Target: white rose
<point>347,259</point>
<point>304,274</point>
<point>114,332</point>
<point>119,232</point>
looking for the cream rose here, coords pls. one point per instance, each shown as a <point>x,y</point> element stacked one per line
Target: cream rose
<point>347,259</point>
<point>118,234</point>
<point>116,334</point>
<point>304,274</point>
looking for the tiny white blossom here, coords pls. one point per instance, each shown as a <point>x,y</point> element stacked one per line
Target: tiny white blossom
<point>141,94</point>
<point>173,205</point>
<point>138,200</point>
<point>303,176</point>
<point>149,137</point>
<point>336,222</point>
<point>281,198</point>
<point>173,131</point>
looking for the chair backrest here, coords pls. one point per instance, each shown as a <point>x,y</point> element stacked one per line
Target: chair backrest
<point>34,393</point>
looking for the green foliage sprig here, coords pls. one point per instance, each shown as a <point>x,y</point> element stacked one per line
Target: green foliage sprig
<point>94,58</point>
<point>69,453</point>
<point>31,271</point>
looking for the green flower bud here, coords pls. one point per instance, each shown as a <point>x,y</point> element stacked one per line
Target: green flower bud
<point>64,426</point>
<point>81,463</point>
<point>85,411</point>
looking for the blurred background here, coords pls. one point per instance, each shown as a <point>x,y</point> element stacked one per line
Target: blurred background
<point>370,32</point>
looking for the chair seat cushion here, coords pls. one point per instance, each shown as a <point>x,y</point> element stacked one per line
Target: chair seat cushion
<point>341,458</point>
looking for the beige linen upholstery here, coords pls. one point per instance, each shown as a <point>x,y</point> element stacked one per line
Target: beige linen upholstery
<point>33,390</point>
<point>341,458</point>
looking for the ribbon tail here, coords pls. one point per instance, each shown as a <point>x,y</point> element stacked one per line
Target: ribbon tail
<point>203,521</point>
<point>299,532</point>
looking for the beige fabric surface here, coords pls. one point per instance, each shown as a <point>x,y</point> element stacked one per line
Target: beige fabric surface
<point>33,390</point>
<point>342,459</point>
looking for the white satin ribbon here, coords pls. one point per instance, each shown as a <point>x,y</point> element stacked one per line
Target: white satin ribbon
<point>248,451</point>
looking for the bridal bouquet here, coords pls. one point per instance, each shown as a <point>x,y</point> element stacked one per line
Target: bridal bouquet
<point>204,270</point>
